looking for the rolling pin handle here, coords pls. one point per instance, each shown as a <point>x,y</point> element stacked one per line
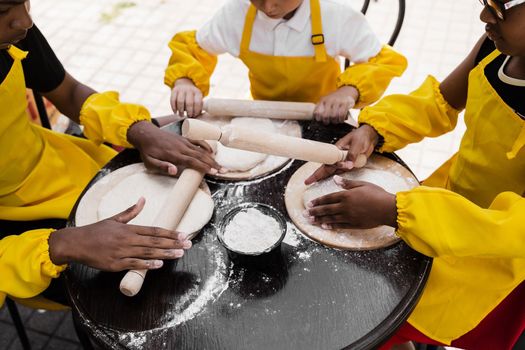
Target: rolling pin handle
<point>360,161</point>
<point>132,282</point>
<point>198,130</point>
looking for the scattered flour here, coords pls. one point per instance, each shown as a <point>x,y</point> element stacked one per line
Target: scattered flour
<point>212,289</point>
<point>292,238</point>
<point>251,231</point>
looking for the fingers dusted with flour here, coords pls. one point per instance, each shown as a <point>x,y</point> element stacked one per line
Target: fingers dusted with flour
<point>360,144</point>
<point>359,205</point>
<point>114,245</point>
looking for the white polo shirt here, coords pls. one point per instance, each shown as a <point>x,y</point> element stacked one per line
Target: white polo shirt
<point>346,32</point>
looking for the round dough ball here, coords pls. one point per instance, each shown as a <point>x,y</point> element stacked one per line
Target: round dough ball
<point>388,181</point>
<point>155,189</point>
<point>239,160</point>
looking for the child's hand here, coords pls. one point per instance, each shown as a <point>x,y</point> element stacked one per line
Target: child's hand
<point>164,151</point>
<point>363,205</point>
<point>333,108</point>
<point>186,97</point>
<point>359,141</point>
<point>112,245</point>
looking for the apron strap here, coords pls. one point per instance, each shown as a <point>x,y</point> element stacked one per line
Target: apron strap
<point>317,31</point>
<point>248,26</point>
<point>16,54</point>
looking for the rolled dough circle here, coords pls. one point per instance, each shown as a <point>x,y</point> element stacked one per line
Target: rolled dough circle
<point>379,170</point>
<point>155,189</point>
<point>123,187</point>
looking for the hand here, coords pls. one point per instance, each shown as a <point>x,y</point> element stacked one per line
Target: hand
<point>186,97</point>
<point>363,205</point>
<point>164,151</point>
<point>362,140</point>
<point>333,108</point>
<point>112,245</point>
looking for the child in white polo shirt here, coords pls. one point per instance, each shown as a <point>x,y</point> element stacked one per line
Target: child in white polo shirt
<point>292,49</point>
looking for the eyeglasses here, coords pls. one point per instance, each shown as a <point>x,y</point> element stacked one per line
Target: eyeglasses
<point>498,8</point>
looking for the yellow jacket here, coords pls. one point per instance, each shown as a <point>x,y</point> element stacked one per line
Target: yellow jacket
<point>189,60</point>
<point>469,214</point>
<point>42,173</point>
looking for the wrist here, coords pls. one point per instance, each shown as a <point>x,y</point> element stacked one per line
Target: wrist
<point>138,131</point>
<point>371,133</point>
<point>183,82</point>
<point>351,91</point>
<point>391,211</point>
<point>61,247</point>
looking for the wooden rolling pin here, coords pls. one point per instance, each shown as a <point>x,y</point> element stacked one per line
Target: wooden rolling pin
<point>168,218</point>
<point>259,109</point>
<point>262,109</point>
<point>266,142</point>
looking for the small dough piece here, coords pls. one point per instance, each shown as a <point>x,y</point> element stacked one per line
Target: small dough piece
<point>388,181</point>
<point>155,189</point>
<point>239,160</point>
<point>233,159</point>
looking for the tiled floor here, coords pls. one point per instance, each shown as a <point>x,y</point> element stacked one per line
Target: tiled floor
<point>122,45</point>
<point>111,46</point>
<point>46,330</point>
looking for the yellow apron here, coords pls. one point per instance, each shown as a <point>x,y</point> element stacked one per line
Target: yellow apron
<point>283,78</point>
<point>42,173</point>
<point>491,160</point>
<point>495,136</point>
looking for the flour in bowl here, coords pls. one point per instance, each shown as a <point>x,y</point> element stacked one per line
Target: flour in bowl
<point>251,231</point>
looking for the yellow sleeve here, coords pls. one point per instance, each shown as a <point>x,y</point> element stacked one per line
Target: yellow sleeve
<point>373,77</point>
<point>438,222</point>
<point>189,60</point>
<point>25,266</point>
<point>106,119</point>
<point>404,119</point>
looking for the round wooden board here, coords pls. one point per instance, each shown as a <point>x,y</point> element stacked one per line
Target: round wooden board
<point>378,237</point>
<point>87,211</point>
<point>271,163</point>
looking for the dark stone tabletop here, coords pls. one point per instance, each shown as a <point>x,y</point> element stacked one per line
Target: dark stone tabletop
<point>304,296</point>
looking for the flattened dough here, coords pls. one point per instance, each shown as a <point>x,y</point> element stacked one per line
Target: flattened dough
<point>270,163</point>
<point>379,170</point>
<point>155,189</point>
<point>239,160</point>
<point>390,182</point>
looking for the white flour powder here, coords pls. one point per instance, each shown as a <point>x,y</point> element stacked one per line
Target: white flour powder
<point>251,231</point>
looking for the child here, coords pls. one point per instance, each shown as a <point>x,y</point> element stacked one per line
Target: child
<point>469,214</point>
<point>42,173</point>
<point>292,49</point>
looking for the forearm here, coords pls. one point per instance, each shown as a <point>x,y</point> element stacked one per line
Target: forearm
<point>437,222</point>
<point>70,97</point>
<point>25,264</point>
<point>404,119</point>
<point>106,119</point>
<point>189,60</point>
<point>372,78</point>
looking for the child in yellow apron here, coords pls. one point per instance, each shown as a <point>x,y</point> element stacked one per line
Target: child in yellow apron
<point>292,50</point>
<point>42,173</point>
<point>469,215</point>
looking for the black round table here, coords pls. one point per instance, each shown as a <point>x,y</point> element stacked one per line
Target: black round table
<point>306,296</point>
